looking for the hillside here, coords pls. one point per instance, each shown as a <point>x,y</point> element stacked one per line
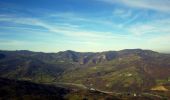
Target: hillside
<point>24,90</point>
<point>126,70</point>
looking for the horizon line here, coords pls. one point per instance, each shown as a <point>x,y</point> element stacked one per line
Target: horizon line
<point>84,51</point>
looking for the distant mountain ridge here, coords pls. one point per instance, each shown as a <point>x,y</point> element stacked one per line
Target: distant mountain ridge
<point>124,70</point>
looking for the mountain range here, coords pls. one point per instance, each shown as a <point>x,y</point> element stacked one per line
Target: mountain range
<point>126,70</point>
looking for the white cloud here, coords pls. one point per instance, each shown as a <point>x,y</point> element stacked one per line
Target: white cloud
<point>74,17</point>
<point>122,13</point>
<point>71,31</point>
<point>73,37</point>
<point>158,5</point>
<point>152,27</point>
<point>141,29</point>
<point>130,20</point>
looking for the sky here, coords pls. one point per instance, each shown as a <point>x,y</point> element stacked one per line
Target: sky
<point>84,25</point>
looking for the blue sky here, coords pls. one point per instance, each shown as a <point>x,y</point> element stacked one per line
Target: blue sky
<point>84,25</point>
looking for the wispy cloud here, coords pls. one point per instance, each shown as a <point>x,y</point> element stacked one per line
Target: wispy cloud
<point>157,5</point>
<point>68,29</point>
<point>122,24</point>
<point>122,13</point>
<point>77,18</point>
<point>151,28</point>
<point>129,18</point>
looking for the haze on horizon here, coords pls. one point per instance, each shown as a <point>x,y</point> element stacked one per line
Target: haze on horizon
<point>84,25</point>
